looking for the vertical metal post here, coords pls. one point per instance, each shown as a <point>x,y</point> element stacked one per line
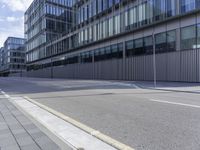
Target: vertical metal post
<point>21,72</point>
<point>51,59</point>
<point>154,62</point>
<point>51,69</point>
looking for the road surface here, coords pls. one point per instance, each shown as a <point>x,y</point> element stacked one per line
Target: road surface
<point>144,119</point>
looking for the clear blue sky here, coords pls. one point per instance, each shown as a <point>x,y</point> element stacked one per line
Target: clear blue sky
<point>11,18</point>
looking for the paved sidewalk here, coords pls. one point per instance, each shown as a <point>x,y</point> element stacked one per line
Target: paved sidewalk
<point>18,133</point>
<point>175,86</point>
<point>166,86</point>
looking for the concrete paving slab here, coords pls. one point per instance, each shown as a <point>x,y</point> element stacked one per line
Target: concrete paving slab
<point>30,147</point>
<point>14,127</point>
<point>11,147</point>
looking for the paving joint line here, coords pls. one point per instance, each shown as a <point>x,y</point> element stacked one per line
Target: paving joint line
<point>25,129</point>
<point>34,120</point>
<point>10,130</point>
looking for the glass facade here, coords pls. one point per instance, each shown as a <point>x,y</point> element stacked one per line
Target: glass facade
<point>13,55</point>
<point>136,16</point>
<point>187,5</point>
<point>46,21</point>
<point>85,22</point>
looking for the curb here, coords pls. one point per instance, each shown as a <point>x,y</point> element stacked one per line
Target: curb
<point>108,140</point>
<point>55,138</point>
<point>191,92</point>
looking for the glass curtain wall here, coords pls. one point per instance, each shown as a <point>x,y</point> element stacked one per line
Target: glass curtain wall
<point>171,8</point>
<point>187,5</point>
<point>145,12</point>
<point>159,9</point>
<point>117,24</point>
<point>110,28</point>
<point>133,17</point>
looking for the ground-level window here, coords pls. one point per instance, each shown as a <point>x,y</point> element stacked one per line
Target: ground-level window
<point>188,37</point>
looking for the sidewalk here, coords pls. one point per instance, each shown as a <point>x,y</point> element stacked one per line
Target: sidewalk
<point>18,133</point>
<point>165,86</point>
<point>171,86</point>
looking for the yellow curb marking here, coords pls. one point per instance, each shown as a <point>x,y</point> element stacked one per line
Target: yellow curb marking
<point>116,144</point>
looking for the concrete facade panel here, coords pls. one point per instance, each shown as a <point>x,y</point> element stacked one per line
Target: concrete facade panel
<point>187,21</point>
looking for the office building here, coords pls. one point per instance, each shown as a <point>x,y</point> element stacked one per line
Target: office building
<point>12,56</point>
<point>46,21</point>
<point>116,40</point>
<point>1,57</point>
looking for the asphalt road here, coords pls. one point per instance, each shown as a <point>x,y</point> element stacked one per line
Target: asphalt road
<point>141,118</point>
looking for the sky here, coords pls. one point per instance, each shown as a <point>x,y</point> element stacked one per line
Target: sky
<point>12,18</point>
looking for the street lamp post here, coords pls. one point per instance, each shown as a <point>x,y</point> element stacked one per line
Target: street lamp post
<point>51,68</point>
<point>154,62</point>
<point>21,71</point>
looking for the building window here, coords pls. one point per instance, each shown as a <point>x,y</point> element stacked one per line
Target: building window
<point>105,27</point>
<point>149,11</point>
<point>120,49</point>
<point>129,45</point>
<point>71,60</point>
<point>160,42</point>
<point>90,34</point>
<point>102,54</point>
<point>139,47</point>
<point>108,52</point>
<point>197,3</point>
<point>187,5</point>
<point>198,36</point>
<point>110,26</point>
<point>126,19</point>
<point>86,57</point>
<point>171,40</point>
<point>171,8</point>
<point>105,4</point>
<point>95,32</point>
<point>114,49</point>
<point>133,17</point>
<point>159,9</point>
<point>188,37</point>
<point>117,50</point>
<point>100,6</point>
<point>94,7</point>
<point>145,11</point>
<point>99,26</point>
<point>141,13</point>
<point>148,45</point>
<point>117,24</point>
<point>110,3</point>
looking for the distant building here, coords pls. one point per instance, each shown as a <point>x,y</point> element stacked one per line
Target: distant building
<point>46,21</point>
<point>114,39</point>
<point>1,58</point>
<point>12,56</point>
